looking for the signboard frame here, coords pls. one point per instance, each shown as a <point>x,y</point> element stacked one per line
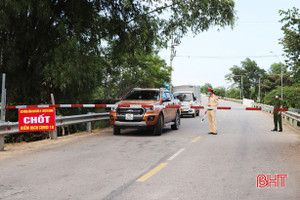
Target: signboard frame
<point>37,119</point>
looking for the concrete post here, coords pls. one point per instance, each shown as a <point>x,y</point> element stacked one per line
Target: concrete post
<point>3,98</point>
<point>1,143</point>
<point>63,131</point>
<point>53,134</point>
<point>89,127</point>
<point>3,104</point>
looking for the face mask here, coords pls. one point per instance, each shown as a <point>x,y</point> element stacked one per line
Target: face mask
<point>276,97</point>
<point>208,93</point>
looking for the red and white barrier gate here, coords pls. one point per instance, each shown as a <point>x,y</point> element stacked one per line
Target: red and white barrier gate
<point>144,106</point>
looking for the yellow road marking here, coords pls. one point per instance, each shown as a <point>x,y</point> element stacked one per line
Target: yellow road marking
<point>152,172</point>
<point>196,139</point>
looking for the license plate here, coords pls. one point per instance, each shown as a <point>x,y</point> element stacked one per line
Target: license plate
<point>129,116</point>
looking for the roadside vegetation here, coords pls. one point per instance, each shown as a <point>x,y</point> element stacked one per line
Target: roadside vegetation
<point>270,81</point>
<point>94,50</point>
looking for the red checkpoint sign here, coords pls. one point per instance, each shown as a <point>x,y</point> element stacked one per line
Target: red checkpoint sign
<point>36,119</point>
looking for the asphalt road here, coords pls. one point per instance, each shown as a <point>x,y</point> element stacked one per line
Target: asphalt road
<point>187,164</point>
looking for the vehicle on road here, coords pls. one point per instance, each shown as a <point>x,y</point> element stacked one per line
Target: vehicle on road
<point>147,116</point>
<point>188,95</point>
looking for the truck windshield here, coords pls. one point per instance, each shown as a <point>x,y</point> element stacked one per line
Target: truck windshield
<point>142,95</point>
<point>183,96</point>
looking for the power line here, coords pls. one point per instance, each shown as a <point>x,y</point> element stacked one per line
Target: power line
<point>226,57</point>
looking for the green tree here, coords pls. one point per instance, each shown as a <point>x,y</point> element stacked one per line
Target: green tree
<point>220,91</point>
<point>250,73</point>
<point>205,87</point>
<point>233,93</point>
<point>291,98</point>
<point>273,79</point>
<point>291,39</point>
<point>276,68</point>
<point>49,47</point>
<point>71,48</point>
<point>142,72</point>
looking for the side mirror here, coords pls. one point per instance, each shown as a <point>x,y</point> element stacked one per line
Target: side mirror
<point>195,98</point>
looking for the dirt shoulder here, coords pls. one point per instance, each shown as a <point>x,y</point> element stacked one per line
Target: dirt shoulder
<point>14,149</point>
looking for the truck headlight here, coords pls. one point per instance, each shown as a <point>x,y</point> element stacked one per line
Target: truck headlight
<point>149,109</point>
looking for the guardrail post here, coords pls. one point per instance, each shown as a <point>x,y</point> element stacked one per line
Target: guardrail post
<point>89,127</point>
<point>53,134</point>
<point>291,121</point>
<point>295,123</point>
<point>1,143</point>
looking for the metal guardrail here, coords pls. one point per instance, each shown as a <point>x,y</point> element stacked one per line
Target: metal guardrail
<point>292,117</point>
<point>7,128</point>
<point>233,100</point>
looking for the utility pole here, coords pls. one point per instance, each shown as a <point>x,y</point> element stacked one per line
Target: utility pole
<point>173,54</point>
<point>281,82</point>
<point>171,57</point>
<point>258,98</point>
<point>280,74</point>
<point>242,87</point>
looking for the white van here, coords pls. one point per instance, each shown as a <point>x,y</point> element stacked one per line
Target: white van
<point>188,95</point>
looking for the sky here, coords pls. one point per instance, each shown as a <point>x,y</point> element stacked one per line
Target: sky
<point>208,56</point>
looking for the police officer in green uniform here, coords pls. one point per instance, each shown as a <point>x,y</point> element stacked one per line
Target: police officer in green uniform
<point>277,114</point>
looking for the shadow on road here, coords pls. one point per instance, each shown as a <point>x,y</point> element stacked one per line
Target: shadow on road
<point>143,132</point>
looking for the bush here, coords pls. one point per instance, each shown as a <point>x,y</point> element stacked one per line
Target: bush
<point>233,93</point>
<point>220,91</point>
<point>291,96</point>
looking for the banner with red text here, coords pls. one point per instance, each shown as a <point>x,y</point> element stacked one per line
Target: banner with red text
<point>37,119</point>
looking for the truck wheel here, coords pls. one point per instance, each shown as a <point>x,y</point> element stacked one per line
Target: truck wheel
<point>177,122</point>
<point>117,131</point>
<point>158,126</point>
